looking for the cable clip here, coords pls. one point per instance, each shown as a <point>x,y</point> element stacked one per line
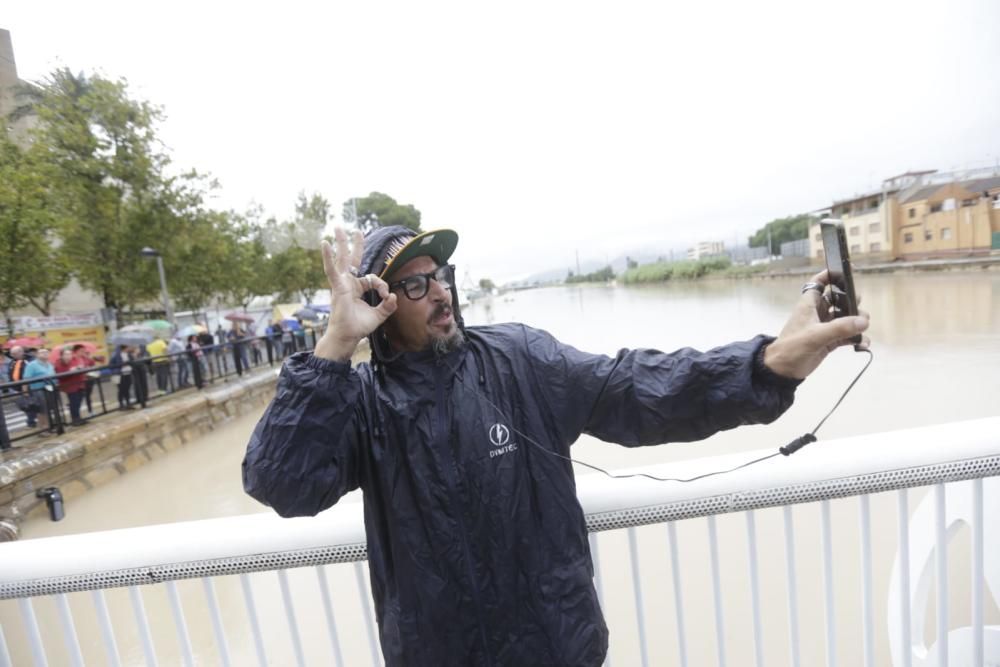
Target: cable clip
<point>797,444</point>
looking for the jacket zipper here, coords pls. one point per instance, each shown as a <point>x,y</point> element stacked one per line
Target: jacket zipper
<point>451,471</point>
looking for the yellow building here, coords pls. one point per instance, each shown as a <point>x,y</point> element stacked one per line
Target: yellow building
<point>866,223</point>
<point>949,219</point>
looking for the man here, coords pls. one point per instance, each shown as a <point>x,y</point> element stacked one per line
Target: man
<point>176,350</point>
<point>161,362</point>
<point>15,372</point>
<point>477,543</point>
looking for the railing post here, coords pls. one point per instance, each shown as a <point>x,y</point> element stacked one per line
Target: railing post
<point>270,351</point>
<point>4,434</point>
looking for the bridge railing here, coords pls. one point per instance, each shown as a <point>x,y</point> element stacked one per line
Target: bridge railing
<point>831,556</point>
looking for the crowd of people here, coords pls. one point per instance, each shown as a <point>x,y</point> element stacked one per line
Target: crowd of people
<point>171,361</point>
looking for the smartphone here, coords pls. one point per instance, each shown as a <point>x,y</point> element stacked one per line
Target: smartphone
<point>838,264</point>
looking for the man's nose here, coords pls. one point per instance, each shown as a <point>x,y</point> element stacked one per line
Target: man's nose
<point>439,293</point>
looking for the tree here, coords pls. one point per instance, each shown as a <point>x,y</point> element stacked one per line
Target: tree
<point>305,230</point>
<point>33,267</point>
<point>782,230</point>
<point>486,284</point>
<point>109,175</point>
<point>381,210</point>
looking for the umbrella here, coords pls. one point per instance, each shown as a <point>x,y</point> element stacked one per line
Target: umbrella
<point>25,341</point>
<point>158,324</point>
<point>306,314</point>
<point>87,345</point>
<point>320,307</point>
<point>292,324</point>
<point>240,317</point>
<point>133,334</point>
<point>191,330</point>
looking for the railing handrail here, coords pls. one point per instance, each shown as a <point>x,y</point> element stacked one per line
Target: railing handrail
<point>828,469</point>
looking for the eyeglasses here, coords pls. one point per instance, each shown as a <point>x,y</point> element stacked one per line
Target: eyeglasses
<point>416,287</point>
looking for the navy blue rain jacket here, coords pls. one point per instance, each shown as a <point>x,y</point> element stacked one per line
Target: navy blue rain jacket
<point>476,540</point>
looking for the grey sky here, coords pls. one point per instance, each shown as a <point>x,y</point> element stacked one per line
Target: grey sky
<point>538,129</point>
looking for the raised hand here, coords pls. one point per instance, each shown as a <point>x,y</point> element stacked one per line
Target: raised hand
<point>351,318</point>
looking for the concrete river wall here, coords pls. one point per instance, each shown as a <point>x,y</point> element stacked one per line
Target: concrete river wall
<point>107,448</point>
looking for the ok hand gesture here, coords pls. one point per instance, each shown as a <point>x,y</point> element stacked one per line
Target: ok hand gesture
<point>351,317</point>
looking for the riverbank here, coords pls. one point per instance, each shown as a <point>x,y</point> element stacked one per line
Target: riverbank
<point>720,270</point>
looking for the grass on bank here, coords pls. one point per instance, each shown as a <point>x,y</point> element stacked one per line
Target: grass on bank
<point>659,272</point>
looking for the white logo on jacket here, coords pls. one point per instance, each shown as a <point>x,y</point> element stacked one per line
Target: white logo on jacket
<point>500,437</point>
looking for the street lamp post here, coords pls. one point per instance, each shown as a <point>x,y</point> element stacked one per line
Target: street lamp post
<point>150,252</point>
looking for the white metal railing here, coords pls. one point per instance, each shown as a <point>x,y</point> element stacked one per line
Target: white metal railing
<point>267,591</point>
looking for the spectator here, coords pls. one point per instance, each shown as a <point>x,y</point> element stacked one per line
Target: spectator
<point>274,334</point>
<point>93,377</point>
<point>236,339</point>
<point>122,369</point>
<point>41,399</point>
<point>197,358</point>
<point>157,351</point>
<point>176,351</point>
<point>75,385</point>
<point>15,372</point>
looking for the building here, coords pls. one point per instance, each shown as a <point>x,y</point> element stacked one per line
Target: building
<point>920,215</point>
<point>866,222</point>
<point>706,249</point>
<point>956,218</point>
<point>9,84</point>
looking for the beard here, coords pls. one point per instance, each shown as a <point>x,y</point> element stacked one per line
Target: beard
<point>443,345</point>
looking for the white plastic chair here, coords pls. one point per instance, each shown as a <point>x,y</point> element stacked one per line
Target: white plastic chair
<point>958,510</point>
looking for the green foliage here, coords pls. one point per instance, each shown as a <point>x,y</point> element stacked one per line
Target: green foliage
<point>486,284</point>
<point>599,276</point>
<point>33,266</point>
<point>382,210</point>
<point>659,272</point>
<point>108,175</point>
<point>782,230</point>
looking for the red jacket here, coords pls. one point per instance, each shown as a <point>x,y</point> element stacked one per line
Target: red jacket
<point>72,383</point>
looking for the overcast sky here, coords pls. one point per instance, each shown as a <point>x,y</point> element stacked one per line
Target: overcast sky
<point>537,129</point>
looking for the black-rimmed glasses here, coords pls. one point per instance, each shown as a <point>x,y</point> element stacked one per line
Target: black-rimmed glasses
<point>416,287</point>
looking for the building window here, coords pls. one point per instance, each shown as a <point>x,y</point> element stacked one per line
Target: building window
<point>907,237</point>
<point>928,235</point>
<point>856,247</point>
<point>948,204</point>
<point>936,208</point>
<point>945,233</point>
<point>874,228</point>
<point>996,201</point>
<point>873,203</point>
<point>855,230</point>
<point>970,202</point>
<point>875,247</point>
<point>913,212</point>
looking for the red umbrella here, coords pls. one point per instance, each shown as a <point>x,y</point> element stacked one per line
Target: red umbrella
<point>87,345</point>
<point>25,341</point>
<point>240,317</point>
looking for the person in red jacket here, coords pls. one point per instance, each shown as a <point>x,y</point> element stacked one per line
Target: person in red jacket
<point>74,386</point>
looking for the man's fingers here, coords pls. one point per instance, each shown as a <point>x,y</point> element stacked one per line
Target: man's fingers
<point>823,278</point>
<point>343,253</point>
<point>839,330</point>
<point>328,264</point>
<point>387,307</point>
<point>357,248</point>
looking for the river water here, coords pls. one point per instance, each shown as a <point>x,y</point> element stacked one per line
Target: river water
<point>936,340</point>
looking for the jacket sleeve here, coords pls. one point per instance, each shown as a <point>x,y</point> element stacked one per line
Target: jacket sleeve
<point>304,453</point>
<point>646,397</point>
